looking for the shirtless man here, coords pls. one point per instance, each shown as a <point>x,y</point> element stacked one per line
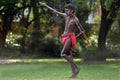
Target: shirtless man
<point>68,36</point>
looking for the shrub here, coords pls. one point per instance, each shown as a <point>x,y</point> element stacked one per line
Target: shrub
<point>52,46</point>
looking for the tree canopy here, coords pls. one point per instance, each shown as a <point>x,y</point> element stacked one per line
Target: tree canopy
<point>29,12</point>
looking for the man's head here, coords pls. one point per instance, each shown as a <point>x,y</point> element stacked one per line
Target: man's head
<point>69,8</point>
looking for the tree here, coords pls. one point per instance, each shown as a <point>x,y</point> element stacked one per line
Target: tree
<point>109,12</point>
<point>9,8</point>
<point>7,14</point>
<point>24,23</point>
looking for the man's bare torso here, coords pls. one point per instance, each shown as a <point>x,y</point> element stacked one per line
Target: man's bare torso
<point>70,24</point>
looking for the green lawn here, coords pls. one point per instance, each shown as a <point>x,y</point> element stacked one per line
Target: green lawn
<point>58,71</point>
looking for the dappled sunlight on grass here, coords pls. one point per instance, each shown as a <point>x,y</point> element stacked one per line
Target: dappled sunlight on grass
<point>7,61</point>
<point>49,60</point>
<point>41,60</point>
<point>113,59</point>
<point>114,66</point>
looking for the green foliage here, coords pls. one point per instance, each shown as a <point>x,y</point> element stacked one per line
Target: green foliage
<point>11,40</point>
<point>97,19</point>
<point>113,40</point>
<point>46,16</point>
<point>118,16</point>
<point>52,46</point>
<point>35,43</point>
<point>82,10</point>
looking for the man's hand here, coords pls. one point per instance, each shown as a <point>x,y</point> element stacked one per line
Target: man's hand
<point>86,38</point>
<point>82,32</point>
<point>42,3</point>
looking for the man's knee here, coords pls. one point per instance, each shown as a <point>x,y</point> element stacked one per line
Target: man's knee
<point>62,55</point>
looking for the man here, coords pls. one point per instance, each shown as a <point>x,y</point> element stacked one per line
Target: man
<point>68,36</point>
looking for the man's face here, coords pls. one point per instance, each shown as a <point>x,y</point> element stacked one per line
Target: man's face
<point>68,11</point>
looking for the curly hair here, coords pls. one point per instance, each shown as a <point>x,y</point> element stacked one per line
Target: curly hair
<point>70,6</point>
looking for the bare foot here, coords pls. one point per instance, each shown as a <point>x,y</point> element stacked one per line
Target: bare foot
<point>76,73</point>
<point>73,52</point>
<point>73,77</point>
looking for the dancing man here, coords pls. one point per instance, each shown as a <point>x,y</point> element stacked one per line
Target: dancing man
<point>68,36</point>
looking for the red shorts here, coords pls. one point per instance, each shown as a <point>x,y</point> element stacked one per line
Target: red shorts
<point>65,37</point>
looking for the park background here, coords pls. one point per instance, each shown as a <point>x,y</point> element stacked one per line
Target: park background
<point>30,33</point>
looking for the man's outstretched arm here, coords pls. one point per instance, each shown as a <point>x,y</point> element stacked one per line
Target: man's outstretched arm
<point>82,32</point>
<point>52,10</point>
<point>79,27</point>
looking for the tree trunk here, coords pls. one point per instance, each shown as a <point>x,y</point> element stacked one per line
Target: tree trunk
<point>36,26</point>
<point>104,29</point>
<point>119,25</point>
<point>2,40</point>
<point>106,23</point>
<point>4,30</point>
<point>36,14</point>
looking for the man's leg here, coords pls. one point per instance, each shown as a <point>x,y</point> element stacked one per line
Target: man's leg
<point>69,59</point>
<point>74,69</point>
<point>72,66</point>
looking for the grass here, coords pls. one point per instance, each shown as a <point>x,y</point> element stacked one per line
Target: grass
<point>58,71</point>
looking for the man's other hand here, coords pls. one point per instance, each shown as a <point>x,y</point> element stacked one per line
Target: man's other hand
<point>42,3</point>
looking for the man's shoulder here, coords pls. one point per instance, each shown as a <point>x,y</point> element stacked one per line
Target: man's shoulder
<point>76,18</point>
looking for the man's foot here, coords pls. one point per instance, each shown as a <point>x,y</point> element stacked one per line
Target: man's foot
<point>73,52</point>
<point>73,77</point>
<point>76,73</point>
